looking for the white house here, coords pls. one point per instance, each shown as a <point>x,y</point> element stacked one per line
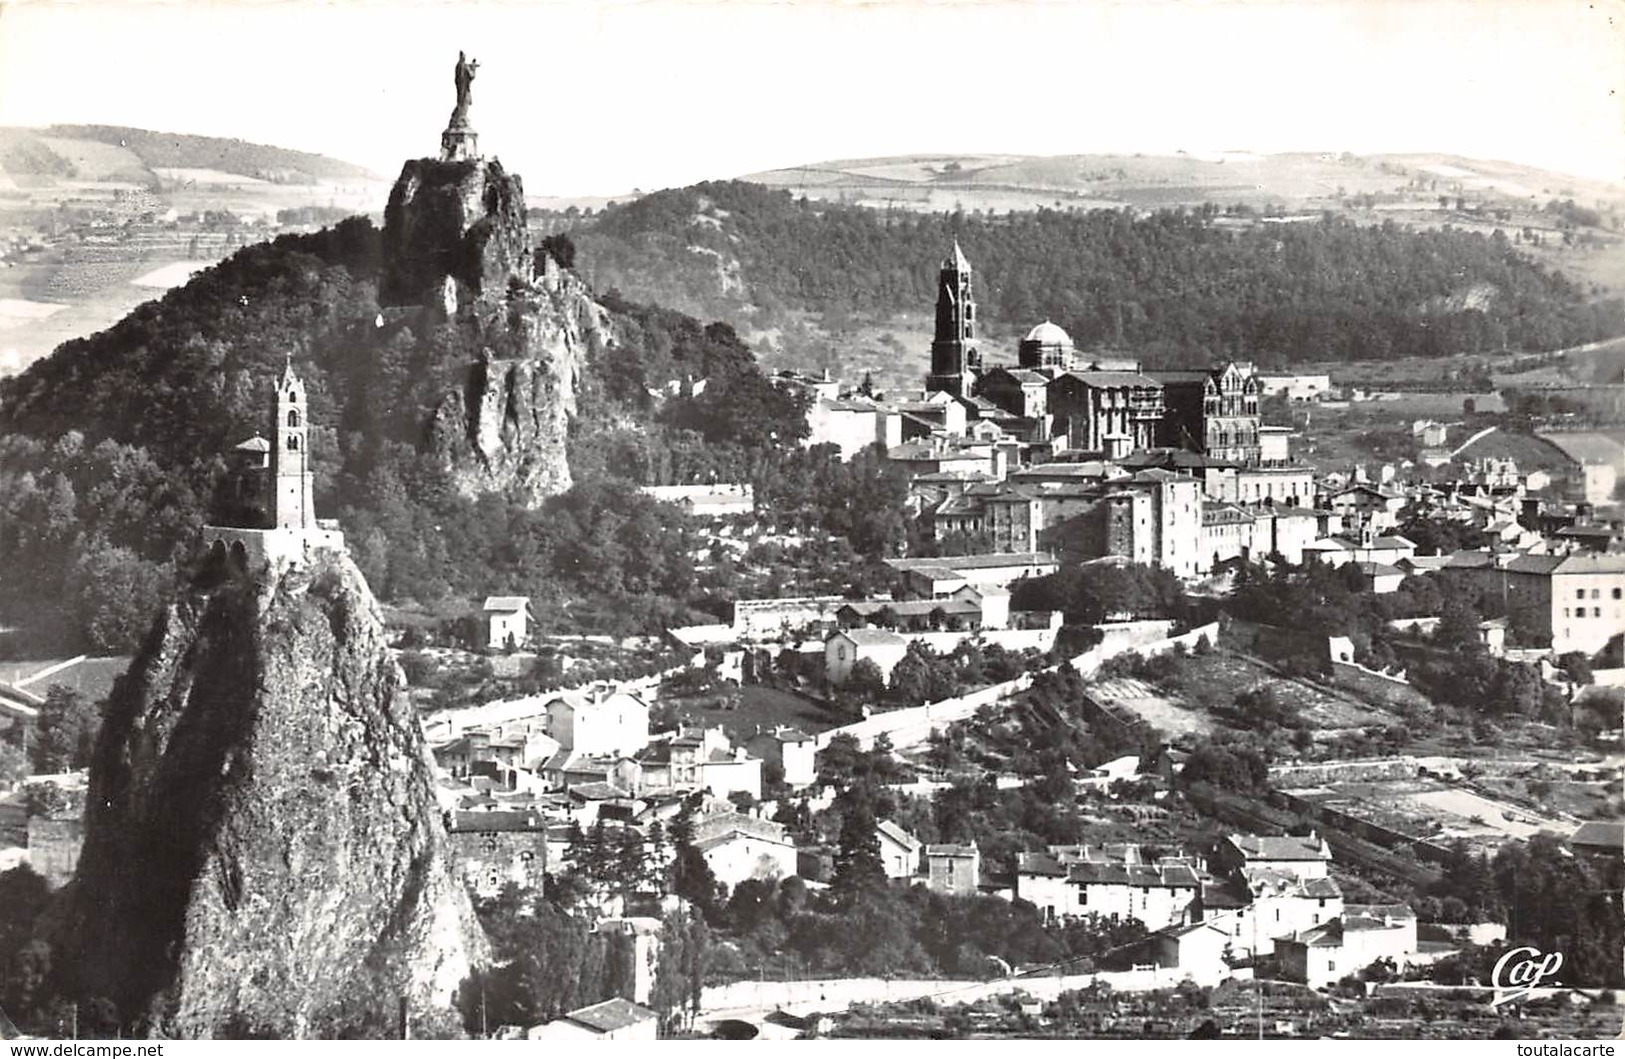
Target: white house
<point>1115,883</point>
<point>792,750</point>
<point>737,847</point>
<point>899,850</point>
<point>847,648</point>
<point>1347,945</point>
<point>598,723</point>
<point>507,621</point>
<point>1200,950</point>
<point>1307,857</point>
<point>726,772</point>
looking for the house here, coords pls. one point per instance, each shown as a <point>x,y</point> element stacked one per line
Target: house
<point>1380,578</point>
<point>792,750</point>
<point>499,846</point>
<point>845,649</point>
<point>1366,505</point>
<point>1113,882</point>
<point>1201,950</point>
<point>1599,840</point>
<point>953,869</point>
<point>899,850</point>
<point>1347,945</point>
<point>700,759</point>
<point>507,621</point>
<point>616,1019</point>
<point>737,846</point>
<point>462,756</point>
<point>1281,903</point>
<point>598,722</point>
<point>1306,857</point>
<point>1574,600</point>
<point>731,771</point>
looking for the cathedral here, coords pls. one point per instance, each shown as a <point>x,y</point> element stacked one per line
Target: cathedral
<point>1060,399</point>
<point>268,514</point>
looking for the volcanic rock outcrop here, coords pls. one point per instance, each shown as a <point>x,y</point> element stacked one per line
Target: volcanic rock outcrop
<point>264,855</point>
<point>456,246</point>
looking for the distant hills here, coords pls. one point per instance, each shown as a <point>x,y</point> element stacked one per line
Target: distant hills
<point>1001,182</point>
<point>118,154</point>
<point>1173,287</point>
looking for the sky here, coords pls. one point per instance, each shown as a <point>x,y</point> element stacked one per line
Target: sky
<point>587,98</point>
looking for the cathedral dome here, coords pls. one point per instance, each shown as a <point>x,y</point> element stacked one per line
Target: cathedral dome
<point>1048,334</point>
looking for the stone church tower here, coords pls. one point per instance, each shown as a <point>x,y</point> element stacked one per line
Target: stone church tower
<point>954,359</point>
<point>293,492</point>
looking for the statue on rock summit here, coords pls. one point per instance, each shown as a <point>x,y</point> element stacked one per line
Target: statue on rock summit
<point>464,75</point>
<point>460,143</point>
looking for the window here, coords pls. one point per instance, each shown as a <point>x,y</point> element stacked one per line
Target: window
<point>1616,593</point>
<point>1596,612</point>
<point>293,443</point>
<point>1594,593</point>
<point>293,417</point>
<point>1565,612</point>
<point>1579,593</point>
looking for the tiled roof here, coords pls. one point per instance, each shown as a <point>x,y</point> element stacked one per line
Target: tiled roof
<point>896,833</point>
<point>950,851</point>
<point>1105,379</point>
<point>1039,864</point>
<point>496,820</point>
<point>505,604</point>
<point>1600,834</point>
<point>611,1015</point>
<point>1278,847</point>
<point>1380,912</point>
<point>873,638</point>
<point>715,828</point>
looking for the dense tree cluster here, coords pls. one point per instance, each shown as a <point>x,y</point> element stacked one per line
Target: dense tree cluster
<point>1091,593</point>
<point>1172,285</point>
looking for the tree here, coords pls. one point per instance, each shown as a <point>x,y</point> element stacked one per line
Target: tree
<point>65,731</point>
<point>858,866</point>
<point>865,681</point>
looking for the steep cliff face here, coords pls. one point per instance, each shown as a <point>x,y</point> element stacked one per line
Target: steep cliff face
<point>455,242</point>
<point>263,853</point>
<point>505,431</point>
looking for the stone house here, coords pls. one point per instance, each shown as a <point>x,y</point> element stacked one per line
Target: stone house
<point>499,846</point>
<point>952,869</point>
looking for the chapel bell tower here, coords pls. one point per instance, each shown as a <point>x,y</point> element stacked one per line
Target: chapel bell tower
<point>293,496</point>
